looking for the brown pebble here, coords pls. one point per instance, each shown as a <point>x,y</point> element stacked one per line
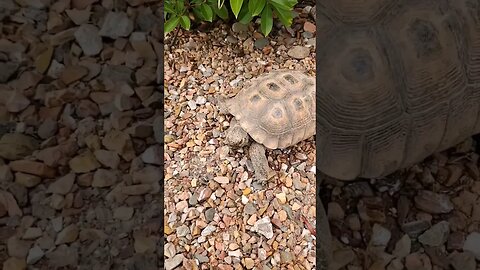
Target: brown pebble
<point>32,167</point>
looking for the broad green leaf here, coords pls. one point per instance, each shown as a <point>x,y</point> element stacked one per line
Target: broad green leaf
<point>198,14</point>
<point>179,5</point>
<point>266,23</point>
<point>185,22</point>
<point>285,16</point>
<point>256,6</point>
<point>236,5</point>
<point>279,4</point>
<point>245,16</point>
<point>205,12</point>
<point>168,8</point>
<point>283,4</point>
<point>171,23</point>
<point>222,12</point>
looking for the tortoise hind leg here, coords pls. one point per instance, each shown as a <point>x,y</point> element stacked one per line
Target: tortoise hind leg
<point>260,163</point>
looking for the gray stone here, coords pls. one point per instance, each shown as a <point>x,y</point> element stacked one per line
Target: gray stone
<point>62,185</point>
<point>239,27</point>
<point>116,24</point>
<point>34,255</point>
<point>193,200</point>
<point>152,155</point>
<point>298,52</point>
<point>264,227</point>
<point>433,203</point>
<point>209,214</point>
<point>436,236</point>
<point>208,230</point>
<point>261,43</point>
<point>380,235</point>
<point>32,233</point>
<point>201,258</point>
<point>182,231</point>
<point>87,36</point>
<point>402,247</point>
<point>472,244</point>
<point>416,227</point>
<point>173,262</point>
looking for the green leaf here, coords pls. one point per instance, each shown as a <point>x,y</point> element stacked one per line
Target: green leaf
<point>245,16</point>
<point>236,5</point>
<point>185,22</point>
<point>220,3</point>
<point>168,8</point>
<point>171,23</point>
<point>266,23</point>
<point>180,5</point>
<point>256,6</point>
<point>198,14</point>
<point>291,3</point>
<point>285,16</point>
<point>222,12</point>
<point>280,4</point>
<point>205,12</point>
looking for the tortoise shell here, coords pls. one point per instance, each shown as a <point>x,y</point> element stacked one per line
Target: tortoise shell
<point>397,81</point>
<point>276,109</point>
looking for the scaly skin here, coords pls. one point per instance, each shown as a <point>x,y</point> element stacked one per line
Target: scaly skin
<point>260,163</point>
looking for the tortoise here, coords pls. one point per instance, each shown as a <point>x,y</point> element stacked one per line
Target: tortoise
<point>397,81</point>
<point>276,110</point>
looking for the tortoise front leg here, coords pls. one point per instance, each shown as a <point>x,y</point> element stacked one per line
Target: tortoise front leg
<point>260,163</point>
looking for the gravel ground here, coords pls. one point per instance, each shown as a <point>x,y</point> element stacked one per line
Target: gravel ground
<point>80,156</point>
<point>426,217</point>
<point>216,215</point>
<point>80,151</point>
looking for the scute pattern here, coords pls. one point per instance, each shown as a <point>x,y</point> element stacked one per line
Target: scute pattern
<point>398,81</point>
<point>277,109</point>
<point>354,11</point>
<point>360,61</point>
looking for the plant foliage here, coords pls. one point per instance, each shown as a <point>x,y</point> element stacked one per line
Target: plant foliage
<point>181,13</point>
